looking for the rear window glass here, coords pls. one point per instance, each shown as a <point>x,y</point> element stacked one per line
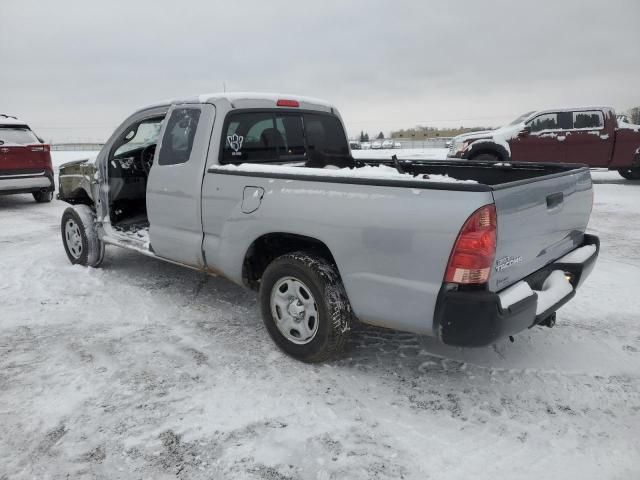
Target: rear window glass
<point>261,137</point>
<point>592,119</point>
<point>22,136</point>
<point>326,141</point>
<point>177,141</point>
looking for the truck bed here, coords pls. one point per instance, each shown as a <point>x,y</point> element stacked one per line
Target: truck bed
<point>487,174</point>
<point>463,175</point>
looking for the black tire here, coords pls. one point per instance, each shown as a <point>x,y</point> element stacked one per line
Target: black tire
<point>43,197</point>
<point>486,157</point>
<point>630,173</point>
<point>331,302</point>
<point>80,237</point>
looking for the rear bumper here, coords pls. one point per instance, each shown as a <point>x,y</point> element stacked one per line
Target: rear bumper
<point>26,182</point>
<point>479,318</point>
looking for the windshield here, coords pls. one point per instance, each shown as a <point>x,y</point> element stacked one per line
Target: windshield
<point>522,118</point>
<point>145,133</point>
<point>20,135</point>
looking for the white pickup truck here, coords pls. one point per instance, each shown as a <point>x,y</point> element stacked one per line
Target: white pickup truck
<point>263,190</point>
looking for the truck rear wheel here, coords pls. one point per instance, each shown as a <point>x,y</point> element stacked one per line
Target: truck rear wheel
<point>43,197</point>
<point>80,238</point>
<point>305,307</point>
<point>630,173</point>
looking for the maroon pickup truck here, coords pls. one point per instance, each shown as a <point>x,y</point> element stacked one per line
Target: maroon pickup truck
<point>589,135</point>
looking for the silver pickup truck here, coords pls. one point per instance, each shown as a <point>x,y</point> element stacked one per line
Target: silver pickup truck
<point>262,189</point>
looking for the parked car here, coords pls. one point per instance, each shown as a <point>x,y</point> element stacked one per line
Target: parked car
<point>365,145</point>
<point>397,145</point>
<point>387,144</point>
<point>589,135</point>
<point>262,190</point>
<point>355,145</point>
<point>25,161</point>
<point>376,145</point>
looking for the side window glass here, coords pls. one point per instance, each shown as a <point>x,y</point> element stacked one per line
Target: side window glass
<point>591,119</point>
<point>547,121</point>
<point>178,137</point>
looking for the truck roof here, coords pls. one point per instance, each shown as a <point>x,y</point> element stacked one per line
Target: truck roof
<point>11,120</point>
<point>236,97</point>
<point>575,109</point>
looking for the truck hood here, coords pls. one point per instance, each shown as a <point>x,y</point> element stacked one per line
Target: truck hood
<point>473,136</point>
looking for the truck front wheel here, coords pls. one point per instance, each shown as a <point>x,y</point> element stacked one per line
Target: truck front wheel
<point>630,173</point>
<point>80,238</point>
<point>305,307</point>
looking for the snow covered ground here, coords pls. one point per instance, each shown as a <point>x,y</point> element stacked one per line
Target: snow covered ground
<point>142,369</point>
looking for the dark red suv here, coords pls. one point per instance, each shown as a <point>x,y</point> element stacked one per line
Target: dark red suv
<point>25,161</point>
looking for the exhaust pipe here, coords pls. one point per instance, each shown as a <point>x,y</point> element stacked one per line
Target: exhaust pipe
<point>550,321</point>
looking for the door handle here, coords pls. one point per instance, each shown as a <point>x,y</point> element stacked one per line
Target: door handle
<point>554,200</point>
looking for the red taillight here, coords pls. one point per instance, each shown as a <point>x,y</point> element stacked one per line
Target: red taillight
<point>39,148</point>
<point>475,248</point>
<point>288,103</point>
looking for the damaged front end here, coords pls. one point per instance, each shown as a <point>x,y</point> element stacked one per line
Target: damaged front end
<point>76,181</point>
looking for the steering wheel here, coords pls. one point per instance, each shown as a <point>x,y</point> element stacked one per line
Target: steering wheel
<point>146,157</point>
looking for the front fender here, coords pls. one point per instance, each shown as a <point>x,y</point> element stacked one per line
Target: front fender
<point>75,180</point>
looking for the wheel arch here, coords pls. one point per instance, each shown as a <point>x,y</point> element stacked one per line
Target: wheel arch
<point>79,196</point>
<point>264,249</point>
<point>490,148</point>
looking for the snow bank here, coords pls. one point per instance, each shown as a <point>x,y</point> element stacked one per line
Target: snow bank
<point>403,154</point>
<point>554,289</point>
<point>369,171</point>
<point>514,294</point>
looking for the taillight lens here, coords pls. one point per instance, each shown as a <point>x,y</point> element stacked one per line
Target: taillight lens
<point>475,249</point>
<point>39,148</point>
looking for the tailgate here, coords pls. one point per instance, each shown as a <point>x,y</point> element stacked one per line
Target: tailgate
<point>538,222</point>
<point>24,158</point>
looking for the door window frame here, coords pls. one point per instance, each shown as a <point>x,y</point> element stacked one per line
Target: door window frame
<point>587,129</point>
<point>550,130</point>
<point>164,131</point>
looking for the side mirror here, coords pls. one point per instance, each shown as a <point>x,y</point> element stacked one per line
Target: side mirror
<point>526,130</point>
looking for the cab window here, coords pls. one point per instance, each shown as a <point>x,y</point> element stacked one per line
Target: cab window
<point>263,137</point>
<point>590,119</point>
<point>178,136</point>
<point>551,121</point>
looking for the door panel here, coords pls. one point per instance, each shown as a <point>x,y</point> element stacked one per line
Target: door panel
<point>175,184</point>
<point>545,142</point>
<point>588,142</point>
<point>538,147</point>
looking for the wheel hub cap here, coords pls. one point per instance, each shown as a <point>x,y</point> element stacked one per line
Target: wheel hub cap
<point>73,238</point>
<point>294,310</point>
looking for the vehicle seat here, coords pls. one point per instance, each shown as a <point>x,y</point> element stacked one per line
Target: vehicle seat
<point>271,138</point>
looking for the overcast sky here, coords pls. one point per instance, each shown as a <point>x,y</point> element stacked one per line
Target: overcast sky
<point>76,68</point>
